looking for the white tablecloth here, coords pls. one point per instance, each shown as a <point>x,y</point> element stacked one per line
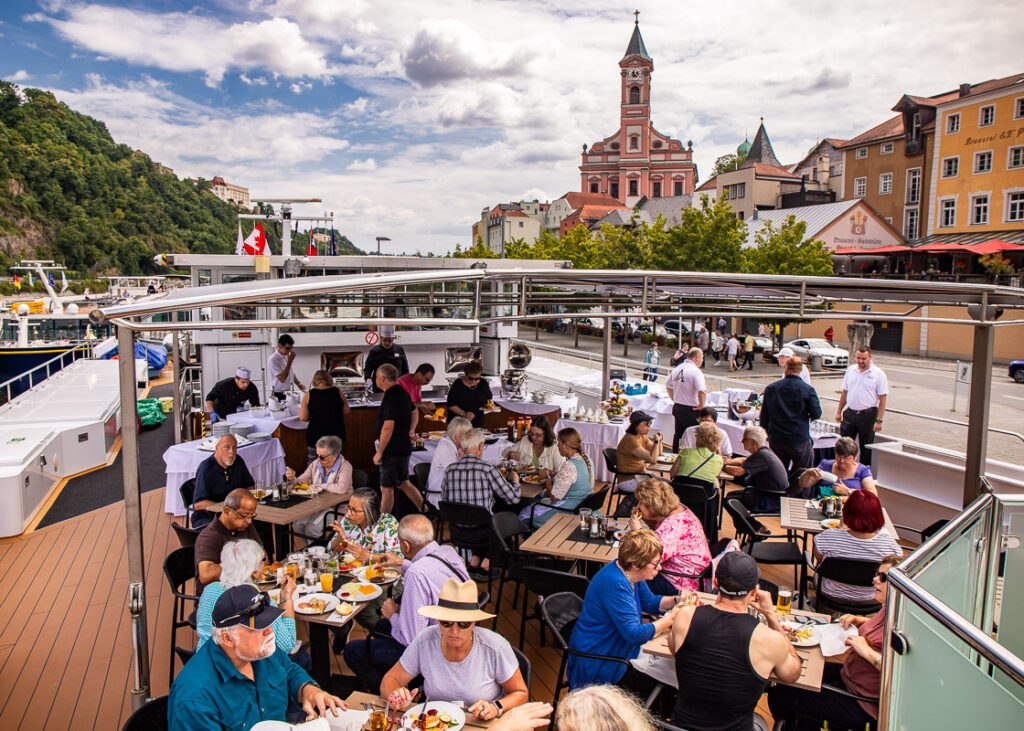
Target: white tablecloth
<point>595,438</point>
<point>530,408</point>
<point>266,420</point>
<point>735,431</point>
<point>492,452</point>
<point>265,461</point>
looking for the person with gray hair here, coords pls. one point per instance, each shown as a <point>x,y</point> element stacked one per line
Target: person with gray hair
<point>851,474</point>
<point>602,708</point>
<point>330,471</point>
<point>241,562</point>
<point>233,523</point>
<point>216,476</point>
<point>425,567</point>
<point>448,451</point>
<point>763,472</point>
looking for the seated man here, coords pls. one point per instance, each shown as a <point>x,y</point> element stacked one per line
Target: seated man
<point>238,680</point>
<point>471,480</point>
<point>226,396</point>
<point>724,656</point>
<point>765,475</point>
<point>219,474</point>
<point>234,522</point>
<point>708,413</point>
<point>414,382</point>
<point>426,567</point>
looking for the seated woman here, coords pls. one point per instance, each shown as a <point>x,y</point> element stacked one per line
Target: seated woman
<point>861,674</point>
<point>329,470</point>
<point>859,538</point>
<point>852,474</point>
<point>241,562</point>
<point>537,448</point>
<point>602,707</point>
<point>572,483</point>
<point>611,622</point>
<point>458,660</point>
<point>702,461</point>
<point>448,451</point>
<point>636,450</point>
<point>684,547</point>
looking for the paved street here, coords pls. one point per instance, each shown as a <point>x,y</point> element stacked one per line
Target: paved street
<point>920,385</point>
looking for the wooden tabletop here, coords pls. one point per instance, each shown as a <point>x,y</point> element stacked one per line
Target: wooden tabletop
<point>268,513</point>
<point>662,469</point>
<point>552,539</point>
<point>793,516</point>
<point>358,698</point>
<point>813,661</point>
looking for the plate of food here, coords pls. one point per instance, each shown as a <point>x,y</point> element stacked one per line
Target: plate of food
<point>831,523</point>
<point>533,479</point>
<point>380,575</point>
<point>801,635</point>
<point>666,458</point>
<point>619,533</point>
<point>317,603</point>
<point>307,490</point>
<point>359,591</point>
<point>269,575</point>
<point>439,715</point>
<point>435,435</point>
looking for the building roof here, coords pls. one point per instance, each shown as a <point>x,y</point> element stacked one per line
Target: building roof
<point>817,217</point>
<point>709,184</point>
<point>761,150</point>
<point>670,207</point>
<point>762,170</point>
<point>578,200</point>
<point>636,45</point>
<point>593,212</point>
<point>973,237</point>
<point>217,180</point>
<point>889,128</point>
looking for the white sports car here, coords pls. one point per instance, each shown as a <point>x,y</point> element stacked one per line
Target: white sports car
<point>831,356</point>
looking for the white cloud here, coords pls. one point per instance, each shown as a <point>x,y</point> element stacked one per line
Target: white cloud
<point>300,86</point>
<point>254,81</point>
<point>366,165</point>
<point>445,50</point>
<point>19,75</point>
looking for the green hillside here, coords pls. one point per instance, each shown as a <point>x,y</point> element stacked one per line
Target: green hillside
<point>68,192</point>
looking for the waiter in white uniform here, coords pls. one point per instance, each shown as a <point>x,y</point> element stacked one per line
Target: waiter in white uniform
<point>865,388</point>
<point>279,366</point>
<point>687,390</point>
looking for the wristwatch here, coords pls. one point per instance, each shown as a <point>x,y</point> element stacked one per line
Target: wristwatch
<point>878,421</point>
<point>497,704</point>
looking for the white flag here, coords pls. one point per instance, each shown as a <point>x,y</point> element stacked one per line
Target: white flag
<point>63,282</point>
<point>239,249</point>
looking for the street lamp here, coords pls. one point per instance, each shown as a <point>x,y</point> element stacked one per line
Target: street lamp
<point>379,239</point>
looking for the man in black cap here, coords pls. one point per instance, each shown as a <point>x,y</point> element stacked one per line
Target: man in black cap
<point>238,680</point>
<point>724,656</point>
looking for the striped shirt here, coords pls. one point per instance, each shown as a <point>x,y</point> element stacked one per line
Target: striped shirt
<point>424,577</point>
<point>838,543</point>
<point>473,481</point>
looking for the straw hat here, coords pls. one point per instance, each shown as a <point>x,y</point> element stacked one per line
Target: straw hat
<point>457,603</point>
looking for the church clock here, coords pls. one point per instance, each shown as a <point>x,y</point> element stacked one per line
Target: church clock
<point>635,74</point>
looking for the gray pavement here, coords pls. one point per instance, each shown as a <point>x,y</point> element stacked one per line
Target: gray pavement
<point>923,386</point>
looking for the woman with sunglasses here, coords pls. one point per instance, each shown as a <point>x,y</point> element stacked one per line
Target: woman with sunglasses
<point>468,395</point>
<point>458,660</point>
<point>860,674</point>
<point>330,471</point>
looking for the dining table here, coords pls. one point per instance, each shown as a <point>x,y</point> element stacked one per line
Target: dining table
<point>813,660</point>
<point>562,537</point>
<point>358,698</point>
<point>317,626</point>
<point>797,514</point>
<point>596,436</point>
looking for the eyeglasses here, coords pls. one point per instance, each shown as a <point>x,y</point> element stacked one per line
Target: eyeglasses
<point>536,435</point>
<point>448,625</point>
<point>655,564</point>
<point>472,379</point>
<point>243,516</point>
<point>882,576</point>
<point>354,510</point>
<point>324,457</point>
<point>257,605</point>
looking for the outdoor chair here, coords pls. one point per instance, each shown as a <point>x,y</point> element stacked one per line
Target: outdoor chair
<point>611,461</point>
<point>187,490</point>
<point>847,571</point>
<point>509,531</point>
<point>766,547</point>
<point>180,568</point>
<point>926,532</point>
<point>704,499</point>
<point>525,668</point>
<point>469,528</point>
<point>544,582</point>
<point>150,717</point>
<point>186,536</point>
<point>421,477</point>
<point>594,501</point>
<point>782,724</point>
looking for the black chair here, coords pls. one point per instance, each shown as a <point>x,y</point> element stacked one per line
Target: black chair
<point>771,587</point>
<point>781,724</point>
<point>926,532</point>
<point>180,568</point>
<point>186,536</point>
<point>703,498</point>
<point>544,582</point>
<point>509,531</point>
<point>421,478</point>
<point>525,668</point>
<point>593,501</point>
<point>560,612</point>
<point>766,547</point>
<point>611,461</point>
<point>150,717</point>
<point>360,478</point>
<point>184,655</point>
<point>187,490</point>
<point>469,527</point>
<point>846,571</point>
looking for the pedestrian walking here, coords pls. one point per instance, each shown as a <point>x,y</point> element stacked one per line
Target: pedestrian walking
<point>703,342</point>
<point>732,350</point>
<point>651,362</point>
<point>748,350</point>
<point>865,390</point>
<point>722,325</point>
<point>717,346</point>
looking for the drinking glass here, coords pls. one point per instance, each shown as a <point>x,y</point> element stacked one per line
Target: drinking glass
<point>379,715</point>
<point>785,601</point>
<point>585,518</point>
<point>327,582</point>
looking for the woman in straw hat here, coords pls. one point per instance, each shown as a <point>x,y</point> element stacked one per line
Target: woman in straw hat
<point>458,660</point>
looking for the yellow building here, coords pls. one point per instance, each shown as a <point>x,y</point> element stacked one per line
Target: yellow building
<point>977,171</point>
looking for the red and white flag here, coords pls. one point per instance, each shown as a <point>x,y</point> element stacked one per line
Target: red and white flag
<point>256,242</point>
<point>311,248</point>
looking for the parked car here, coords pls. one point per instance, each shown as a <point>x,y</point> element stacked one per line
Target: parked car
<point>831,356</point>
<point>676,329</point>
<point>762,344</point>
<point>1017,370</point>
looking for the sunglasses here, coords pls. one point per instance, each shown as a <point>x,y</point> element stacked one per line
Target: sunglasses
<point>259,602</point>
<point>448,625</point>
<point>882,576</point>
<point>323,457</point>
<point>472,379</point>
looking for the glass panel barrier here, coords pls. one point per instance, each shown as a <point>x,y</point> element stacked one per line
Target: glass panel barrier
<point>1010,593</point>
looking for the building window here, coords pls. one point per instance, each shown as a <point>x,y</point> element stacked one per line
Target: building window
<point>1015,206</point>
<point>1015,158</point>
<point>914,185</point>
<point>915,126</point>
<point>678,187</point>
<point>656,189</point>
<point>593,187</point>
<point>741,190</point>
<point>947,213</point>
<point>520,224</point>
<point>1018,108</point>
<point>983,162</point>
<point>615,190</point>
<point>951,166</point>
<point>910,221</point>
<point>860,187</point>
<point>740,215</point>
<point>633,188</point>
<point>987,115</point>
<point>953,123</point>
<point>861,153</point>
<point>979,210</point>
<point>885,184</point>
<point>634,95</point>
<point>887,148</point>
<point>634,142</point>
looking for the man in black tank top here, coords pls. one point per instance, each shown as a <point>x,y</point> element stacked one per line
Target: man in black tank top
<point>724,656</point>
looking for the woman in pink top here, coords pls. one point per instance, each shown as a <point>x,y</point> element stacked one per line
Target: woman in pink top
<point>685,547</point>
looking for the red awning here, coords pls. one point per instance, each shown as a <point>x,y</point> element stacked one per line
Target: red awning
<point>893,249</point>
<point>946,248</point>
<point>994,246</point>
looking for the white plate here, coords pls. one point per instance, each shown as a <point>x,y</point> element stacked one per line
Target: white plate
<point>332,602</point>
<point>618,534</point>
<point>358,596</point>
<point>359,572</point>
<point>457,714</point>
<point>829,478</point>
<point>810,641</point>
<point>308,491</point>
<point>828,523</point>
<point>666,458</point>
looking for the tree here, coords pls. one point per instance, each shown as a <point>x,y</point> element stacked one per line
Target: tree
<point>728,163</point>
<point>707,239</point>
<point>783,250</point>
<point>996,264</point>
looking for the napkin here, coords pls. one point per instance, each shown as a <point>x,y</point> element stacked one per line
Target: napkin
<point>833,638</point>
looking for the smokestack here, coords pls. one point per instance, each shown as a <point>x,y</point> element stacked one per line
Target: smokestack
<point>965,89</point>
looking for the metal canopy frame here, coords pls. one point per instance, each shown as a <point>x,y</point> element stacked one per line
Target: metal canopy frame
<point>523,294</point>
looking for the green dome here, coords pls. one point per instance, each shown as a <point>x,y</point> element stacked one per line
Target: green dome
<point>744,148</point>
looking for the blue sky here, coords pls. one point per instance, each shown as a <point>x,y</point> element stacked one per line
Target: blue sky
<point>407,118</point>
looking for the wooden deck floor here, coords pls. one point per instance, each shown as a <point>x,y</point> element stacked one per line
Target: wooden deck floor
<point>65,644</point>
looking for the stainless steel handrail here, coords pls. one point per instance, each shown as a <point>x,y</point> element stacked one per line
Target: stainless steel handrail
<point>937,542</point>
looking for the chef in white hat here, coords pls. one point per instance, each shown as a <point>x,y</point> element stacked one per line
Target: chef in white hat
<point>387,351</point>
<point>227,395</point>
<point>783,357</point>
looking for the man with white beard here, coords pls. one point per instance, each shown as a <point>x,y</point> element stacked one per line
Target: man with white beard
<point>238,679</point>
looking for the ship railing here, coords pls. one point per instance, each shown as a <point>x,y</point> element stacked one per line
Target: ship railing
<point>954,635</point>
<point>189,388</point>
<point>17,385</point>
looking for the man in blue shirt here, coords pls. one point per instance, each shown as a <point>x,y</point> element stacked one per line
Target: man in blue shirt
<point>238,680</point>
<point>219,474</point>
<point>789,407</point>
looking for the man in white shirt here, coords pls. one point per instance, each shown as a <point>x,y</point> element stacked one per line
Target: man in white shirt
<point>708,413</point>
<point>865,388</point>
<point>279,366</point>
<point>783,357</point>
<point>687,390</point>
<point>732,349</point>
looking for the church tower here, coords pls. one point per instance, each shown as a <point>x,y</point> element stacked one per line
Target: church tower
<point>637,161</point>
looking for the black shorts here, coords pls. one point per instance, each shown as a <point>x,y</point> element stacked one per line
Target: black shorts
<point>394,470</point>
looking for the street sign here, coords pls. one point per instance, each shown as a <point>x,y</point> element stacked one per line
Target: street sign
<point>963,372</point>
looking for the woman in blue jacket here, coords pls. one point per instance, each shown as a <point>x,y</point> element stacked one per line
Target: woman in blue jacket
<point>611,622</point>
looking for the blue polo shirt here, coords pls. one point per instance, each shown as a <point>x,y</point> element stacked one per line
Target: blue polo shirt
<point>210,694</point>
<point>214,482</point>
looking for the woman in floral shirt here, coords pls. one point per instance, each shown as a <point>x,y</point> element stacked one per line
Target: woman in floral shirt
<point>685,548</point>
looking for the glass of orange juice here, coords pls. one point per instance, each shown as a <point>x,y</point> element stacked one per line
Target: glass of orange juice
<point>326,582</point>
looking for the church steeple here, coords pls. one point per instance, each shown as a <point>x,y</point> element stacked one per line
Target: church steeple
<point>761,150</point>
<point>636,45</point>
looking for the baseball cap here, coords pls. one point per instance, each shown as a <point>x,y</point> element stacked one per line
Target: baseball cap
<point>785,353</point>
<point>737,574</point>
<point>245,605</point>
<point>640,416</point>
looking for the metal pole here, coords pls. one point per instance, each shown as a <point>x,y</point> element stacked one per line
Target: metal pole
<point>133,515</point>
<point>606,358</point>
<point>977,409</point>
<point>175,387</point>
